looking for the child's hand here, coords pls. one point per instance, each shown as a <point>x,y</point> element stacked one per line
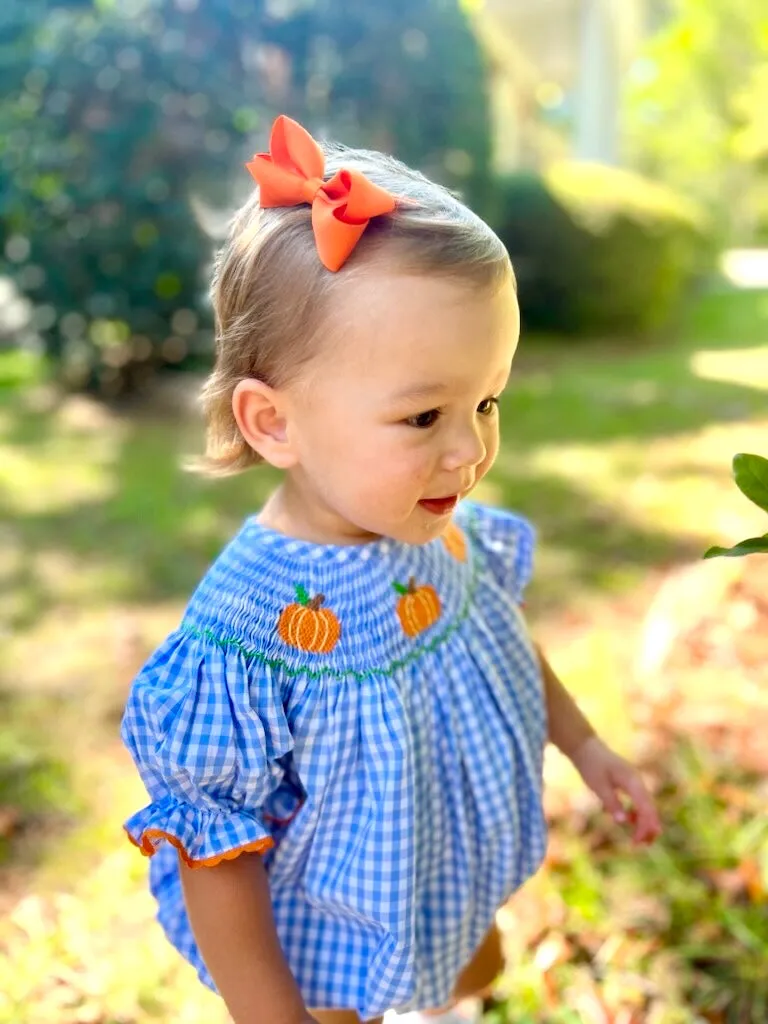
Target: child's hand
<point>608,776</point>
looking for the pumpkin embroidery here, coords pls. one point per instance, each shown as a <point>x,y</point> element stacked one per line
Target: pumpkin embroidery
<point>455,542</point>
<point>308,626</point>
<point>418,607</point>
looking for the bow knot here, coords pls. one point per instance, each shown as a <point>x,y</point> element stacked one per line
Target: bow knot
<point>291,174</point>
<point>309,189</point>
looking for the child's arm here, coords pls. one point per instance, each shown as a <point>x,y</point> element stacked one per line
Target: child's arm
<point>569,728</point>
<point>231,916</point>
<point>606,774</point>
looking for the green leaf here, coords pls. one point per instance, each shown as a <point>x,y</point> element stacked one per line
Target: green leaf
<point>301,595</point>
<point>752,546</point>
<point>400,588</point>
<point>751,475</point>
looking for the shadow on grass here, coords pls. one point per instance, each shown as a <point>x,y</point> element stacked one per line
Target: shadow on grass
<point>594,393</point>
<point>145,535</point>
<point>142,530</point>
<point>36,795</point>
<point>599,548</point>
<point>101,514</point>
<point>152,532</point>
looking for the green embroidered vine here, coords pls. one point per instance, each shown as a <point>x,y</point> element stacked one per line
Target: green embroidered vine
<point>231,643</point>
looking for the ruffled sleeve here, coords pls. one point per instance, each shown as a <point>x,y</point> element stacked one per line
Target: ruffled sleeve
<point>211,745</point>
<point>507,541</point>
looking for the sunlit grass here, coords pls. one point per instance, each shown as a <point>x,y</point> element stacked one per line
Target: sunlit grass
<point>676,485</point>
<point>747,367</point>
<point>620,454</point>
<point>90,955</point>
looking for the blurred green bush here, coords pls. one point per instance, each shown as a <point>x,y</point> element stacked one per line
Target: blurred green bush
<point>599,249</point>
<point>124,127</point>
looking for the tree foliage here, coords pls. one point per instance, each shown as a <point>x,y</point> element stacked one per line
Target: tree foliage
<point>574,232</point>
<point>116,116</point>
<point>697,108</point>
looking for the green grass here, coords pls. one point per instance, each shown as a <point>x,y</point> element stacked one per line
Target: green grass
<point>621,455</point>
<point>581,427</point>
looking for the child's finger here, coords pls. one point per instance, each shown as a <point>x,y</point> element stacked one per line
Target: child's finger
<point>645,818</point>
<point>645,827</point>
<point>648,825</point>
<point>611,801</point>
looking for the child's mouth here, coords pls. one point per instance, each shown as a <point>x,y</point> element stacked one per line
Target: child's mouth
<point>440,506</point>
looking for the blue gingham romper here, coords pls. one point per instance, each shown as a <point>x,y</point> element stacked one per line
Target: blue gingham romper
<point>382,748</point>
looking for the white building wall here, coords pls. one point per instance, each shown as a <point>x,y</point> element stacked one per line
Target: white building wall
<point>596,129</point>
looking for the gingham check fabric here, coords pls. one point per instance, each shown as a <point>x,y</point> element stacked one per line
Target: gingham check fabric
<point>397,776</point>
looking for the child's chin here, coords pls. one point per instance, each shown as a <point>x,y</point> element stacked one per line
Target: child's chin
<point>422,531</point>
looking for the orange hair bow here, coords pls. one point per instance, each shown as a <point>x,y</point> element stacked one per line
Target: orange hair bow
<point>292,174</point>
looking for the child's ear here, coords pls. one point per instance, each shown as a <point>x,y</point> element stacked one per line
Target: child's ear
<point>260,413</point>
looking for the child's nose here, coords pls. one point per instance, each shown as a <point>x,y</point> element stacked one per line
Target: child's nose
<point>467,448</point>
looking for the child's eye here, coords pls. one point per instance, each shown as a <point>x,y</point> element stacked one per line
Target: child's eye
<point>487,406</point>
<point>424,419</point>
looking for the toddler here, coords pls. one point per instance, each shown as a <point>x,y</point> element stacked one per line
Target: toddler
<point>343,739</point>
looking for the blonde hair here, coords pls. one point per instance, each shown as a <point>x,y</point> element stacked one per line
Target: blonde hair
<point>272,296</point>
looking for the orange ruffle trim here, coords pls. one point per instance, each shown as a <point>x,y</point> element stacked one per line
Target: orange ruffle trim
<point>148,848</point>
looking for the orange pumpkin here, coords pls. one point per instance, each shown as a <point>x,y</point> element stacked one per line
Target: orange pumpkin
<point>418,607</point>
<point>455,541</point>
<point>308,626</point>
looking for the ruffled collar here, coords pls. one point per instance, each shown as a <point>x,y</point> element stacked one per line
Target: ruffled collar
<point>336,610</point>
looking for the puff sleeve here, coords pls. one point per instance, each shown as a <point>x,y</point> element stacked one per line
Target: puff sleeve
<point>507,541</point>
<point>207,731</point>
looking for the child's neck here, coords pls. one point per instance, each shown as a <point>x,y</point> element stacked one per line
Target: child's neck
<point>295,511</point>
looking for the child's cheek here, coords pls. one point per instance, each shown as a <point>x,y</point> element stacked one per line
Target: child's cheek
<point>415,472</point>
<point>492,450</point>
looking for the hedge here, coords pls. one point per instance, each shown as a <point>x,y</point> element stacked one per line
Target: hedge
<point>599,249</point>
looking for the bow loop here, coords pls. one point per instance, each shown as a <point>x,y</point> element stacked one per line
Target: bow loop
<point>361,199</point>
<point>291,174</point>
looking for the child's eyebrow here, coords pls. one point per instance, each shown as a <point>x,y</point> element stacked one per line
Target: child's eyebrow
<point>420,391</point>
<point>431,390</point>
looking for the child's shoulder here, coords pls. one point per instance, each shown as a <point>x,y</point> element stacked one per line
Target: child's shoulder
<point>482,518</point>
<point>233,590</point>
<point>225,629</point>
<point>505,540</point>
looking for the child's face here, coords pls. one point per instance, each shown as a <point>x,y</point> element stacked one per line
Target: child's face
<point>397,419</point>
